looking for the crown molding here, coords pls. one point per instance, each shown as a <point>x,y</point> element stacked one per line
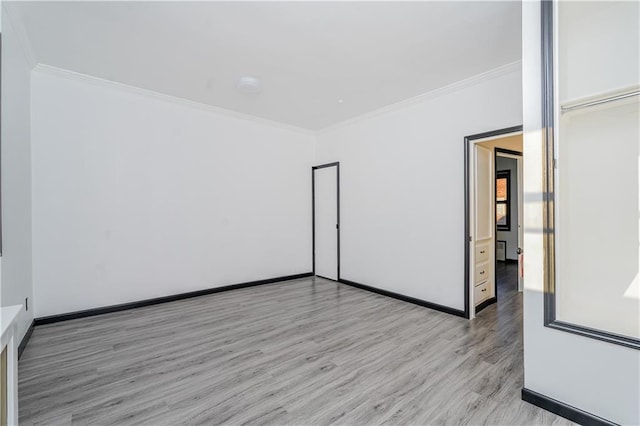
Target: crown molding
<point>416,100</point>
<point>20,33</point>
<point>407,103</point>
<point>100,82</point>
<point>25,44</point>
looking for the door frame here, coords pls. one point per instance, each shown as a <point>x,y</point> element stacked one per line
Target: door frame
<point>313,214</point>
<point>516,155</point>
<point>469,311</point>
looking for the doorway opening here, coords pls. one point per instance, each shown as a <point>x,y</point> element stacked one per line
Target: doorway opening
<point>325,218</point>
<point>493,217</point>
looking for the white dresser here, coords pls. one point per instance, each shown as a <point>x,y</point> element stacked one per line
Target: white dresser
<point>483,272</point>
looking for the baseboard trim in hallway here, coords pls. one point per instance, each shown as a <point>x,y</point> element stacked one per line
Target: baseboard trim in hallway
<point>430,305</point>
<point>486,303</point>
<point>560,408</point>
<point>25,339</point>
<point>165,299</point>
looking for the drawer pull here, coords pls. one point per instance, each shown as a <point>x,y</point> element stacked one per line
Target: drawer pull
<point>484,289</point>
<point>482,252</point>
<point>481,272</point>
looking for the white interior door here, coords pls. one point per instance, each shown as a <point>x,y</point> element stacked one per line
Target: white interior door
<point>326,222</point>
<point>520,227</point>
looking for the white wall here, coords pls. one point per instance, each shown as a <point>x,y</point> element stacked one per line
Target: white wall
<point>599,209</point>
<point>137,195</point>
<point>510,237</point>
<point>0,166</point>
<point>401,177</point>
<point>595,376</point>
<point>16,174</point>
<point>588,34</point>
<point>597,155</point>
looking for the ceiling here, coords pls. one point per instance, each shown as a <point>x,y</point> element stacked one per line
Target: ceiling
<point>512,143</point>
<point>308,55</point>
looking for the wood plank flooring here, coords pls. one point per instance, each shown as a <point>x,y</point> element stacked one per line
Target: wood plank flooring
<point>302,352</point>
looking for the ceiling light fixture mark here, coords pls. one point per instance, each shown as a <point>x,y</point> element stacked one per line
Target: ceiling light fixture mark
<point>248,84</point>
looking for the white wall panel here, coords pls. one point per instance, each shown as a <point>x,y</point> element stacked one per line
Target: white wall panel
<point>401,187</point>
<point>136,197</point>
<point>16,275</point>
<point>598,377</point>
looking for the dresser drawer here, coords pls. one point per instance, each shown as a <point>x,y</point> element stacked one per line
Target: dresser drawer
<point>483,271</point>
<point>482,252</point>
<point>481,292</point>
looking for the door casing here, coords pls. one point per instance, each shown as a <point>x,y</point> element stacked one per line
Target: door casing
<point>313,214</point>
<point>470,141</point>
<point>516,155</point>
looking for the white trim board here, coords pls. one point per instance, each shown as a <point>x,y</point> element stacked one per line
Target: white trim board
<point>97,81</point>
<point>407,103</point>
<point>512,67</point>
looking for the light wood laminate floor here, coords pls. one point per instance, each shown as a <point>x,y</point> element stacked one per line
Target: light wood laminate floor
<point>309,351</point>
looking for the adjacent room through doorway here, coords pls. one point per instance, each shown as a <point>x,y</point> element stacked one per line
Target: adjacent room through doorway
<point>494,217</point>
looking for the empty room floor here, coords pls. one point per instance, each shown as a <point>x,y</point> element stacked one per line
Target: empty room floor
<point>507,286</point>
<point>309,351</point>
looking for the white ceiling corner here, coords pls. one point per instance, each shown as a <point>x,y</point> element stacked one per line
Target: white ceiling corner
<point>306,54</point>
